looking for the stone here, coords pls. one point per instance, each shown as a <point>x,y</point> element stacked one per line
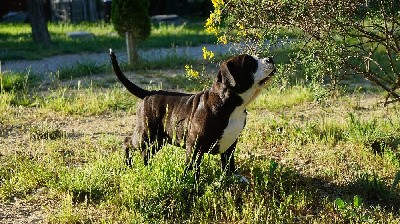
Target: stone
<point>168,19</point>
<point>15,17</point>
<point>80,35</point>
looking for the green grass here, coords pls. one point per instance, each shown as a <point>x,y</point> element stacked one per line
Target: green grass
<point>331,162</point>
<point>12,81</point>
<point>16,42</point>
<point>90,68</point>
<point>81,69</point>
<point>86,101</point>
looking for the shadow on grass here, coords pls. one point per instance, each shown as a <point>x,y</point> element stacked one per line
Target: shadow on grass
<point>374,191</point>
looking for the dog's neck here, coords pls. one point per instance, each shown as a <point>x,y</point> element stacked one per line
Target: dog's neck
<point>225,94</point>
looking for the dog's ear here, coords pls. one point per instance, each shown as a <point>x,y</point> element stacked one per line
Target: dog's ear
<point>237,72</point>
<point>224,75</point>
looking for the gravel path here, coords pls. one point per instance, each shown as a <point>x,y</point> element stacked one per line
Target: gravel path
<point>54,63</point>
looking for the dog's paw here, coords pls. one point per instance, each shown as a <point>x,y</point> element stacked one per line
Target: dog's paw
<point>241,178</point>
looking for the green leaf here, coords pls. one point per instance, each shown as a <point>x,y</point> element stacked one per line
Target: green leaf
<point>340,203</point>
<point>395,181</point>
<point>357,201</point>
<point>272,167</point>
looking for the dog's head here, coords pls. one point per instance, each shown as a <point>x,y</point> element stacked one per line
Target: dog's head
<point>246,75</point>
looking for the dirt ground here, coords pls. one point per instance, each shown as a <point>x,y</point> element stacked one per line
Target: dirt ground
<point>22,211</point>
<point>35,208</point>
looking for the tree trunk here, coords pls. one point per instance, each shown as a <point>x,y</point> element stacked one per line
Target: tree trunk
<point>40,33</point>
<point>132,48</point>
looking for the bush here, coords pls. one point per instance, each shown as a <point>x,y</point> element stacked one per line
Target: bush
<point>131,17</point>
<point>334,38</point>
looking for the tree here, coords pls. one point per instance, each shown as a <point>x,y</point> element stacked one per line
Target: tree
<point>40,33</point>
<point>334,38</point>
<point>131,18</point>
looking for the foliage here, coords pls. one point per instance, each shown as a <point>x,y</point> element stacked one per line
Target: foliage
<point>334,38</point>
<point>395,181</point>
<point>352,211</point>
<point>15,81</point>
<point>131,16</point>
<point>201,77</point>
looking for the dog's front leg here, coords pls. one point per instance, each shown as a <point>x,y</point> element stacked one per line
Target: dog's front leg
<point>228,160</point>
<point>228,164</point>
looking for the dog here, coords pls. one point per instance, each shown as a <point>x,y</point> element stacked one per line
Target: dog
<point>206,122</point>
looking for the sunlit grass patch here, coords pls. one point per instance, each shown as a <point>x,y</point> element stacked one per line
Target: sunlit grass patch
<point>5,100</point>
<point>45,130</point>
<point>160,190</point>
<point>87,101</point>
<point>94,181</point>
<point>276,99</point>
<point>22,175</point>
<point>17,81</point>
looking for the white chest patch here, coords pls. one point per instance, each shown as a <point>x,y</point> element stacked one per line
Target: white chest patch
<point>236,124</point>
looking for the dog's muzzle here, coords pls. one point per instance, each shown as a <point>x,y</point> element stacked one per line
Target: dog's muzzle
<point>269,76</point>
<point>271,63</point>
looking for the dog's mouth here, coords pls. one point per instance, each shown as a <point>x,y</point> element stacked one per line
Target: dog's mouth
<point>263,81</point>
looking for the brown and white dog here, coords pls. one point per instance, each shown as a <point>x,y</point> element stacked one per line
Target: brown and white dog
<point>205,122</point>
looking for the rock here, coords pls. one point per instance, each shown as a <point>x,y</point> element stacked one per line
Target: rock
<point>168,19</point>
<point>80,35</point>
<point>15,17</point>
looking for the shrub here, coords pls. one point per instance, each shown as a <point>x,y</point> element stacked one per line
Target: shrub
<point>131,17</point>
<point>334,38</point>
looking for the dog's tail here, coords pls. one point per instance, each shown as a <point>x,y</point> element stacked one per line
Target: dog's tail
<point>134,89</point>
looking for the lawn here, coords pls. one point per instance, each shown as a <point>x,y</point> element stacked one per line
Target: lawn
<point>16,42</point>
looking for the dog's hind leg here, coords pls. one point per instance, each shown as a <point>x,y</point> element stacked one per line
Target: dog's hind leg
<point>127,147</point>
<point>141,144</point>
<point>148,151</point>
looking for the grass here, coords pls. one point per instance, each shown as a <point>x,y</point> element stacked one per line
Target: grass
<point>13,81</point>
<point>331,162</point>
<point>310,157</point>
<point>16,42</point>
<point>90,68</point>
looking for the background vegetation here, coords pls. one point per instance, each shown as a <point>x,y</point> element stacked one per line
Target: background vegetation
<point>15,41</point>
<point>334,39</point>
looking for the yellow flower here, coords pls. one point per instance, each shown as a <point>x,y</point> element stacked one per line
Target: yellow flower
<point>240,26</point>
<point>217,3</point>
<point>212,22</point>
<point>222,39</point>
<point>191,73</point>
<point>207,54</point>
